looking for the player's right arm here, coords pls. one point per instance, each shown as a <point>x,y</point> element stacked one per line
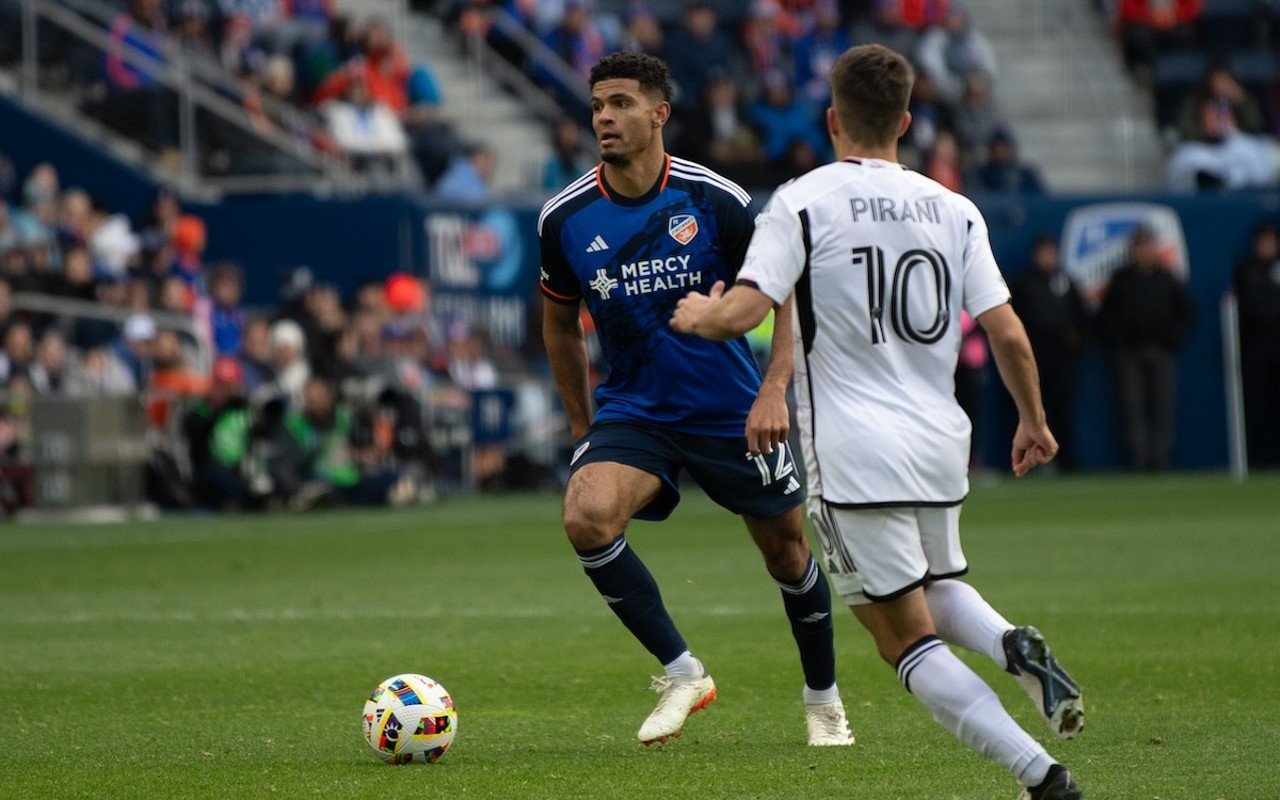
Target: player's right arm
<point>562,333</point>
<point>567,350</point>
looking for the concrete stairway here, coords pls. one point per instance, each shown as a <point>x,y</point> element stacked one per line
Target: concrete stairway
<point>1063,87</point>
<point>480,108</point>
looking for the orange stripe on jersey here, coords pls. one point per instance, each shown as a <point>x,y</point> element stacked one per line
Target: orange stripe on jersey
<point>600,181</point>
<point>557,296</point>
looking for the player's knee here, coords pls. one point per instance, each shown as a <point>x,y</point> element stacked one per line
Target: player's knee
<point>786,560</point>
<point>589,526</point>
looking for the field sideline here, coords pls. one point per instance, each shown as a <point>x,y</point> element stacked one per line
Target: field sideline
<point>230,657</point>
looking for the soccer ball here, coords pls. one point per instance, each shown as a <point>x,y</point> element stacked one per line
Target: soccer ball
<point>409,718</point>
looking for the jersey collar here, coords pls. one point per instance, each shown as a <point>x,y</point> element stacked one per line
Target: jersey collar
<point>873,162</point>
<point>655,190</point>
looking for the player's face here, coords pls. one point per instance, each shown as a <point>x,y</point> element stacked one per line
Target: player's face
<point>627,121</point>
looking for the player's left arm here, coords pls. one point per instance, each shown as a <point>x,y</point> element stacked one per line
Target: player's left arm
<point>1033,442</point>
<point>769,421</point>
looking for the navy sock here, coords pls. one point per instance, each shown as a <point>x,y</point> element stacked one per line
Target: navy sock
<point>808,604</point>
<point>631,592</point>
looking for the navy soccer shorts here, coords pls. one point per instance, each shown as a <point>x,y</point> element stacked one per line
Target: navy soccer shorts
<point>762,487</point>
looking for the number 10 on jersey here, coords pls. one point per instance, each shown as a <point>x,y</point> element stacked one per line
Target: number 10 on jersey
<point>935,312</point>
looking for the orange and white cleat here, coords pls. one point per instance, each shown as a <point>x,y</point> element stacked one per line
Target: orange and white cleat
<point>680,698</point>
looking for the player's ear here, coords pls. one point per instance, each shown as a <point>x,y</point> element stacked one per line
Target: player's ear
<point>661,113</point>
<point>833,123</point>
<point>904,124</point>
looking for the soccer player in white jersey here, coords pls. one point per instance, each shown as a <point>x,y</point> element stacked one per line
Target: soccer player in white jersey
<point>882,261</point>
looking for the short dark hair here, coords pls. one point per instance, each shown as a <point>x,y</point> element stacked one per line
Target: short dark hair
<point>871,88</point>
<point>651,73</point>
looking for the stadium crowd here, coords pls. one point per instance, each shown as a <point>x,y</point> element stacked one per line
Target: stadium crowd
<point>318,398</point>
<point>751,80</point>
<point>1215,76</point>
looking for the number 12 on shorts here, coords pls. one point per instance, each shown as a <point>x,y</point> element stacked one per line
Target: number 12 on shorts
<point>783,464</point>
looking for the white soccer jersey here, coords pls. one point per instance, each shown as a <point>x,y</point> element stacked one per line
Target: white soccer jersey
<point>882,261</point>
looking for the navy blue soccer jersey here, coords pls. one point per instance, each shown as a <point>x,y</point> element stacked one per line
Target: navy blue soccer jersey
<point>632,260</point>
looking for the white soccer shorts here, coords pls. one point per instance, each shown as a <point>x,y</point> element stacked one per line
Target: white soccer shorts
<point>878,554</point>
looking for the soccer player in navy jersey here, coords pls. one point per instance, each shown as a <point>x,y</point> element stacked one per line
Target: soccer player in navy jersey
<point>630,238</point>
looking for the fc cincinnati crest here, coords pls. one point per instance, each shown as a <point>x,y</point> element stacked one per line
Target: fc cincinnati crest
<point>683,227</point>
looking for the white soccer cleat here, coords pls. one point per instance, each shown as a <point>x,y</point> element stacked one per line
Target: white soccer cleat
<point>680,698</point>
<point>828,726</point>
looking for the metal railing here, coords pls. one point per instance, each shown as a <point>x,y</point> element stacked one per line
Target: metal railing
<point>275,150</point>
<point>184,324</point>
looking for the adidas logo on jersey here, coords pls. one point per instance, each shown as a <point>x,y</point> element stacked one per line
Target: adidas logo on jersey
<point>597,245</point>
<point>792,485</point>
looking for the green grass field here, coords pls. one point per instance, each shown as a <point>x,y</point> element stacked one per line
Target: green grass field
<point>230,657</point>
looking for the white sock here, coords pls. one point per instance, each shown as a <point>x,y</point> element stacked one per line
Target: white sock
<point>821,697</point>
<point>964,705</point>
<point>963,618</point>
<point>684,666</point>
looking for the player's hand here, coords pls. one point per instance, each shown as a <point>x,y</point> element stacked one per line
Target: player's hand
<point>691,306</point>
<point>1033,445</point>
<point>768,423</point>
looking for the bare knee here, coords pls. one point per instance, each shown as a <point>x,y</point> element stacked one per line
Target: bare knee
<point>590,525</point>
<point>781,541</point>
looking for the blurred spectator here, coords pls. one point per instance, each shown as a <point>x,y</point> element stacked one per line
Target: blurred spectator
<point>942,163</point>
<point>366,130</point>
<point>136,349</point>
<point>1257,286</point>
<point>39,214</point>
<point>467,178</point>
<point>696,50</point>
<point>885,26</point>
<point>191,28</point>
<point>576,39</point>
<point>227,317</point>
<point>716,134</point>
<point>432,138</point>
<point>768,47</point>
<point>921,14</point>
<point>1146,316</point>
<point>1002,171</point>
<point>18,355</point>
<point>155,228</point>
<point>52,364</point>
<point>137,103</point>
<point>568,159</point>
<point>952,52</point>
<point>190,238</point>
<point>928,117</point>
<point>172,371</point>
<point>255,354</point>
<point>15,270</point>
<point>174,296</point>
<point>76,281</point>
<point>976,118</point>
<point>970,378</point>
<point>642,33</point>
<point>100,373</point>
<point>1053,312</point>
<point>782,119</point>
<point>381,66</point>
<point>323,58</point>
<point>1217,108</point>
<point>1149,27</point>
<point>338,465</point>
<point>216,429</point>
<point>816,52</point>
<point>288,361</point>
